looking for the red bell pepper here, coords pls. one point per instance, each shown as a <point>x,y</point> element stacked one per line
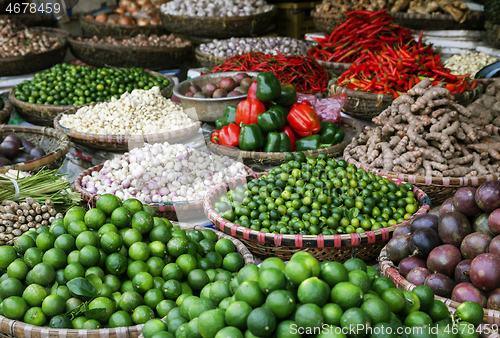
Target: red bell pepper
<point>252,91</point>
<point>248,110</point>
<point>215,137</point>
<point>304,120</point>
<point>291,135</point>
<point>229,136</point>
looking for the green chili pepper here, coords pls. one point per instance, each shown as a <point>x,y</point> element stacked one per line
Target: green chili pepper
<point>251,137</point>
<point>227,118</point>
<point>277,143</point>
<point>268,87</point>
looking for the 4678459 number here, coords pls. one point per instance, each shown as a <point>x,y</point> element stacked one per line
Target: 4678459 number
<point>26,7</point>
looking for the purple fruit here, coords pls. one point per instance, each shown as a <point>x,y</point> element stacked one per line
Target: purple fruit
<point>480,224</point>
<point>462,271</point>
<point>398,248</point>
<point>9,149</point>
<point>239,77</point>
<point>241,90</point>
<point>37,152</point>
<point>402,229</point>
<point>494,247</point>
<point>423,241</point>
<point>410,263</point>
<point>494,222</point>
<point>446,207</point>
<point>4,162</point>
<point>453,227</point>
<point>189,94</point>
<point>444,259</point>
<point>219,93</point>
<point>418,275</point>
<point>488,196</point>
<point>475,244</point>
<point>234,93</point>
<point>209,89</point>
<point>424,221</point>
<point>464,201</point>
<point>485,272</point>
<point>246,82</point>
<point>22,158</point>
<point>194,89</point>
<point>14,138</point>
<point>466,292</point>
<point>440,284</point>
<point>227,83</point>
<point>200,95</point>
<point>28,145</point>
<point>494,300</point>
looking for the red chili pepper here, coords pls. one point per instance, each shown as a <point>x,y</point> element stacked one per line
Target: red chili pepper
<point>445,74</point>
<point>251,94</point>
<point>291,135</point>
<point>215,137</point>
<point>248,110</point>
<point>229,135</point>
<point>304,120</point>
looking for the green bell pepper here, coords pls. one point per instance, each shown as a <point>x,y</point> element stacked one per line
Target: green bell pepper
<point>268,87</point>
<point>272,120</point>
<point>227,118</point>
<point>310,143</point>
<point>277,143</point>
<point>331,134</point>
<point>251,137</point>
<point>288,95</point>
<point>339,136</point>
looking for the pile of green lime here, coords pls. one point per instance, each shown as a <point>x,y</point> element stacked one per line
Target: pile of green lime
<point>318,196</point>
<point>112,266</point>
<point>306,298</point>
<point>66,84</point>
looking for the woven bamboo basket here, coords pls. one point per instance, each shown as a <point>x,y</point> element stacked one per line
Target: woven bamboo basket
<point>492,34</point>
<point>123,142</point>
<point>474,21</point>
<point>31,63</point>
<point>12,328</point>
<point>336,68</point>
<point>44,114</point>
<point>437,188</point>
<point>219,27</point>
<point>54,142</point>
<point>182,210</point>
<point>32,20</point>
<point>91,27</point>
<point>326,22</point>
<point>156,58</point>
<point>388,269</point>
<point>6,111</point>
<point>350,126</point>
<point>207,60</point>
<point>339,248</point>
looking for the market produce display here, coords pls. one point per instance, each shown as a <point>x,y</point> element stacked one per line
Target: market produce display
<point>161,173</point>
<point>266,45</point>
<point>457,9</point>
<point>455,253</point>
<point>66,84</point>
<point>141,112</point>
<point>424,132</point>
<point>16,40</point>
<point>141,40</point>
<point>305,298</point>
<point>218,8</point>
<point>131,12</point>
<point>286,125</point>
<point>93,269</point>
<point>227,87</point>
<point>463,64</point>
<point>305,74</point>
<point>312,196</point>
<point>13,150</point>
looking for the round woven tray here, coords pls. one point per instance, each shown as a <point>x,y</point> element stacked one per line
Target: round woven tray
<point>351,128</point>
<point>326,22</point>
<point>339,248</point>
<point>219,27</point>
<point>207,60</point>
<point>437,188</point>
<point>182,210</point>
<point>44,114</point>
<point>492,34</point>
<point>15,328</point>
<point>156,58</point>
<point>6,111</point>
<point>474,21</point>
<point>336,68</point>
<point>91,28</point>
<point>31,63</point>
<point>123,142</point>
<point>54,142</point>
<point>388,269</point>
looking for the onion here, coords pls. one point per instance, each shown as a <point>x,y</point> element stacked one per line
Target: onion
<point>102,17</point>
<point>125,21</point>
<point>143,22</point>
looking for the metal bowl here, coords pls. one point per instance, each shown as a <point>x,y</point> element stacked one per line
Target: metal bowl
<point>206,109</point>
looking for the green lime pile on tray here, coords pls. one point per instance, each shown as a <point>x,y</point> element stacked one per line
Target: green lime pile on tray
<point>307,299</point>
<point>313,196</point>
<point>112,266</point>
<point>66,84</point>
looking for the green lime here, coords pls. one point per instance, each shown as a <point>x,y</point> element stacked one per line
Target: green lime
<point>103,303</point>
<point>63,291</point>
<point>250,293</point>
<point>130,300</point>
<point>381,284</point>
<point>91,324</point>
<point>394,298</point>
<point>76,227</point>
<point>14,307</point>
<point>312,290</point>
<point>187,263</point>
<point>199,306</point>
<point>107,203</point>
<point>116,263</point>
<point>178,246</point>
<point>425,295</point>
<point>237,313</point>
<point>35,316</point>
<point>73,270</point>
<point>11,287</point>
<point>360,279</point>
<point>376,310</point>
<point>89,256</point>
<point>155,266</point>
<point>139,251</point>
<point>281,303</point>
<point>66,243</point>
<point>143,222</point>
<point>120,319</point>
<point>346,295</point>
<point>53,305</point>
<point>438,311</point>
<point>58,229</point>
<point>95,218</point>
<point>286,329</point>
<point>18,269</point>
<point>132,236</point>
<point>215,258</point>
<point>197,279</point>
<point>172,289</point>
<point>73,214</point>
<point>160,233</point>
<point>111,242</point>
<point>218,291</point>
<point>142,282</point>
<point>153,297</point>
<point>150,210</point>
<point>172,271</point>
<point>44,241</point>
<point>152,327</point>
<point>113,282</point>
<point>224,246</point>
<point>334,273</point>
<point>355,319</point>
<point>164,307</point>
<point>332,313</point>
<point>273,262</point>
<point>355,264</point>
<point>23,243</point>
<point>133,205</point>
<point>55,257</point>
<point>142,314</point>
<point>470,312</point>
<point>34,295</point>
<point>78,322</point>
<point>229,332</point>
<point>121,217</point>
<point>32,256</point>
<point>72,303</point>
<point>211,322</point>
<point>96,271</point>
<point>74,257</point>
<point>298,270</point>
<point>418,318</point>
<point>309,316</point>
<point>43,274</point>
